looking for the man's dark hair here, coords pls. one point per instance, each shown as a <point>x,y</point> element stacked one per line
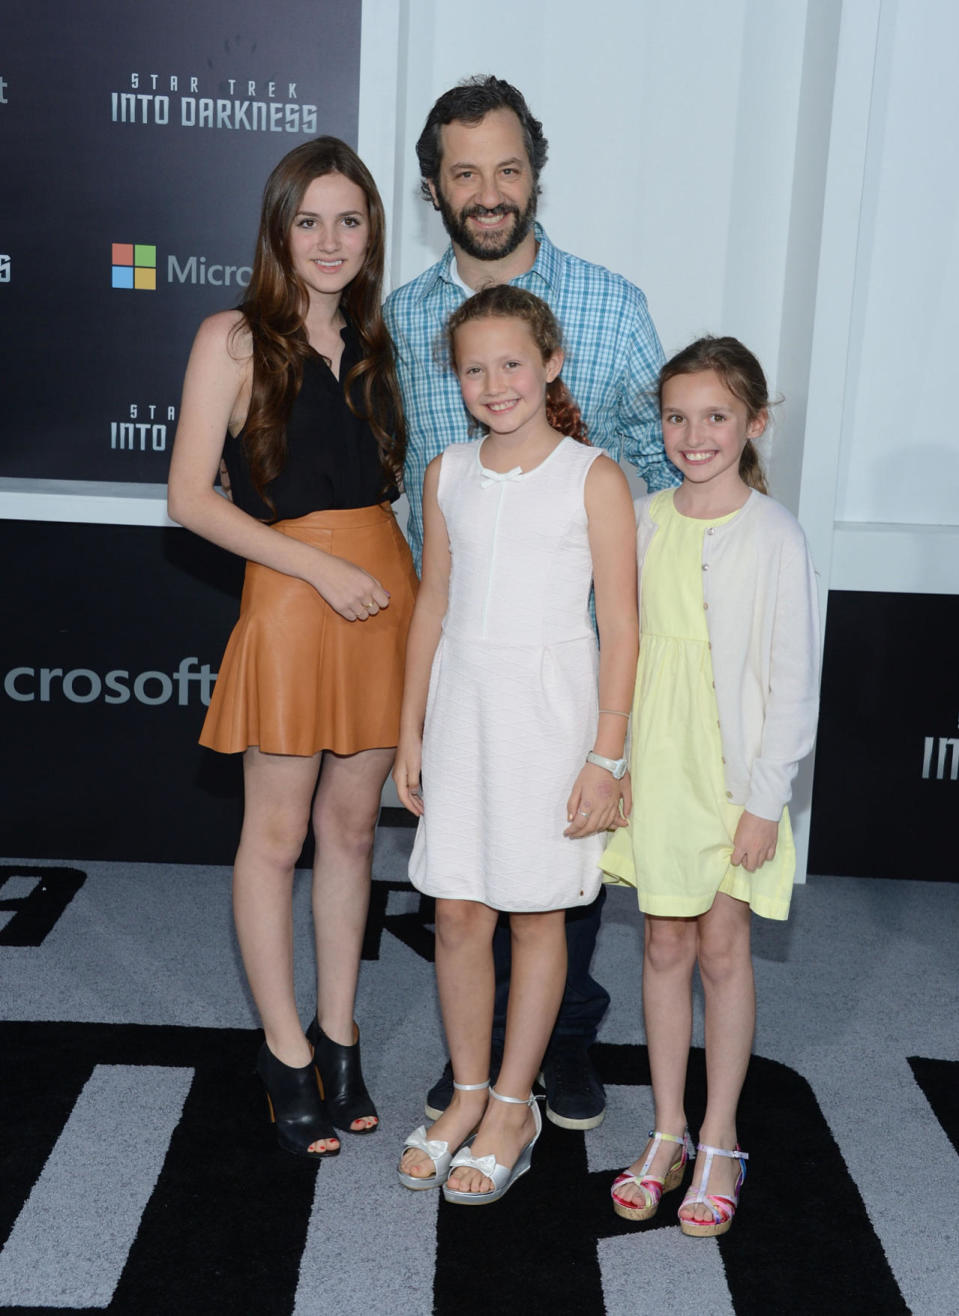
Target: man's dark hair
<point>469,102</point>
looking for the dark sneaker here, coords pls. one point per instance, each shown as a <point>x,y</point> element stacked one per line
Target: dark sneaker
<point>574,1095</point>
<point>441,1093</point>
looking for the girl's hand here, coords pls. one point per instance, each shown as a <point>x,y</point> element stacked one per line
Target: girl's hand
<point>406,773</point>
<point>348,589</point>
<point>755,841</point>
<point>597,803</point>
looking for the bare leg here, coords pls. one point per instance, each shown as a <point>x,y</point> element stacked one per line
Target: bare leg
<point>345,811</point>
<point>465,980</point>
<point>726,968</point>
<point>537,981</point>
<point>277,793</point>
<point>668,960</point>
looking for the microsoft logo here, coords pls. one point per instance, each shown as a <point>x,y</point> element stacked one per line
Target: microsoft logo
<point>134,266</point>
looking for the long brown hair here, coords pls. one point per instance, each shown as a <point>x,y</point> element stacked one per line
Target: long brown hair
<point>275,306</point>
<point>506,302</point>
<point>742,375</point>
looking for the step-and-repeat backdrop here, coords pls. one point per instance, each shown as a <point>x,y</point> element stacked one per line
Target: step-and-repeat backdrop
<point>137,139</point>
<point>110,645</point>
<point>887,759</point>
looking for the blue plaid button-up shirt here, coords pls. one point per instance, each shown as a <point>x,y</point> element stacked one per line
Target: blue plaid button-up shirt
<point>613,357</point>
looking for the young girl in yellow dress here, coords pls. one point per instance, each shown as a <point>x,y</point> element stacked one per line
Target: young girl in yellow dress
<point>725,707</point>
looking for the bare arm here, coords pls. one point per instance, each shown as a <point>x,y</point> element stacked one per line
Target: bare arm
<point>215,397</point>
<point>424,636</point>
<point>612,530</point>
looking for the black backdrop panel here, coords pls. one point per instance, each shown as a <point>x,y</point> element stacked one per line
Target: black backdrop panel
<point>110,641</point>
<point>886,786</point>
<point>137,140</point>
<point>112,635</point>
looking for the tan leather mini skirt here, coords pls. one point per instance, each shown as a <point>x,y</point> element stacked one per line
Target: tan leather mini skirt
<point>297,677</point>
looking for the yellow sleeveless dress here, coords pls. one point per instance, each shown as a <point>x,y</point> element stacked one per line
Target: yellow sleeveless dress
<point>677,847</point>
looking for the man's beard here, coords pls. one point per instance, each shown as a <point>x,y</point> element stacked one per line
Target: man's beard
<point>492,246</point>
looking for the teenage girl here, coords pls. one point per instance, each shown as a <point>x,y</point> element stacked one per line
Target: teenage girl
<point>725,707</point>
<point>514,767</point>
<point>301,382</point>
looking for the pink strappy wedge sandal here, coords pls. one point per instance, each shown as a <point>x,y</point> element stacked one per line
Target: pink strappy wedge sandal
<point>649,1185</point>
<point>722,1208</point>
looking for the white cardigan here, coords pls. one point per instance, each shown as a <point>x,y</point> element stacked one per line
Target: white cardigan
<point>762,617</point>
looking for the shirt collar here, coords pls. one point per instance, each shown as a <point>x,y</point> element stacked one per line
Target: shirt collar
<point>546,266</point>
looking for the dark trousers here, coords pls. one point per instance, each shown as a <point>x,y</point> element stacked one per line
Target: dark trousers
<point>584,1000</point>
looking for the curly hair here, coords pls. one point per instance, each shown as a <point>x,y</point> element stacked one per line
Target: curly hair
<point>469,102</point>
<point>740,373</point>
<point>506,302</point>
<point>275,305</point>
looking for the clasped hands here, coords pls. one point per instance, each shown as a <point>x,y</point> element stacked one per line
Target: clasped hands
<point>598,802</point>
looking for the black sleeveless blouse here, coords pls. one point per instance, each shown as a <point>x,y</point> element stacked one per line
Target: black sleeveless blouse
<point>332,458</point>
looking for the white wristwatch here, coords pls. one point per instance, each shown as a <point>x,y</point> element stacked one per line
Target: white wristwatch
<point>618,767</point>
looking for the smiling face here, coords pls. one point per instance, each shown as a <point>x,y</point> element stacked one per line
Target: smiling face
<point>330,234</point>
<point>502,373</point>
<point>705,429</point>
<point>486,192</point>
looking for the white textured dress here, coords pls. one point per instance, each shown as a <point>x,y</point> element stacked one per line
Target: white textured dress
<point>512,706</point>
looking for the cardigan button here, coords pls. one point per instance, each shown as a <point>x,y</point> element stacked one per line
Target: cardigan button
<point>711,530</point>
<point>729,795</point>
<point>705,566</point>
<point>705,607</point>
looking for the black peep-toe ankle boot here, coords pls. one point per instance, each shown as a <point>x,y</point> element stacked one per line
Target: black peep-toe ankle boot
<point>295,1099</point>
<point>345,1092</point>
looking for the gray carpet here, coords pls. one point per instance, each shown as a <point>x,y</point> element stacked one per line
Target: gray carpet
<point>862,977</point>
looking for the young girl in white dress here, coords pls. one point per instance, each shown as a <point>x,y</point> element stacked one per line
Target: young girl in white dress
<point>725,707</point>
<point>513,764</point>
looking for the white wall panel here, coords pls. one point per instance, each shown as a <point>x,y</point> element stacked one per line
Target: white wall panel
<point>900,455</point>
<point>671,131</point>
